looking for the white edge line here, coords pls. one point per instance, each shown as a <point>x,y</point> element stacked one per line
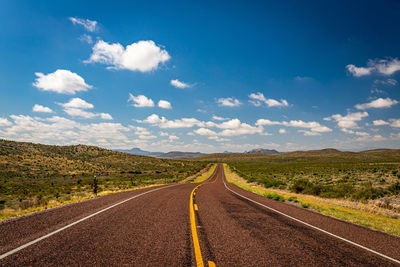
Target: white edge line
<point>315,227</point>
<point>76,222</point>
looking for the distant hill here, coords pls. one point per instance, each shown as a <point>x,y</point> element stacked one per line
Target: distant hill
<point>140,152</point>
<point>36,161</point>
<point>263,151</point>
<point>168,155</point>
<point>179,154</point>
<point>327,154</point>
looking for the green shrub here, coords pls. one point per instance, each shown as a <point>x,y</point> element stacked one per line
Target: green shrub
<point>275,196</point>
<point>305,205</point>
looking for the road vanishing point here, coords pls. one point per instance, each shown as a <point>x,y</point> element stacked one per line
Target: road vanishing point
<point>213,223</point>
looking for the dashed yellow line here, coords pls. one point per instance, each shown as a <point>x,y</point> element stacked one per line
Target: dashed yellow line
<point>196,244</point>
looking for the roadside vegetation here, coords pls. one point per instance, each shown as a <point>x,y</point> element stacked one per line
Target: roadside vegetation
<point>35,176</point>
<point>371,177</point>
<point>206,175</point>
<point>364,214</point>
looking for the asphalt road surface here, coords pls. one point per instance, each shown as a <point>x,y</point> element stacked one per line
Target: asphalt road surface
<point>208,224</point>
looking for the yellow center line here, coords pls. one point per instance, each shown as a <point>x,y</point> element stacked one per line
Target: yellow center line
<point>196,243</point>
<point>196,208</point>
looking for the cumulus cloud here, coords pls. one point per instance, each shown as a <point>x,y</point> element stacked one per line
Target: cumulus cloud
<point>140,101</point>
<point>282,131</point>
<point>178,84</point>
<point>395,123</point>
<point>229,102</point>
<point>232,127</point>
<point>314,126</point>
<point>141,56</point>
<point>218,139</point>
<point>380,66</point>
<point>4,122</point>
<point>378,103</point>
<point>162,122</point>
<point>40,108</point>
<point>77,103</point>
<point>205,131</point>
<point>63,131</point>
<point>173,138</point>
<point>358,71</point>
<point>259,98</point>
<point>348,121</point>
<point>217,118</point>
<point>164,104</point>
<point>61,81</point>
<point>76,107</point>
<point>379,122</point>
<point>308,133</point>
<point>89,25</point>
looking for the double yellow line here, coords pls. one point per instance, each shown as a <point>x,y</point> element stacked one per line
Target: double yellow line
<point>196,244</point>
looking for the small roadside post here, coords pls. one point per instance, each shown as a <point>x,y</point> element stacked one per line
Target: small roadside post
<point>95,185</point>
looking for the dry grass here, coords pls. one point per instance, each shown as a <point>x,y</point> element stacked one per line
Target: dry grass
<point>359,213</point>
<point>205,175</point>
<point>10,213</point>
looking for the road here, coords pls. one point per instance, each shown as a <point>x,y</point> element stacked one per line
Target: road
<point>213,223</point>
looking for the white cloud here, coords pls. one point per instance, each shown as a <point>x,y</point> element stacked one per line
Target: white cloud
<point>218,139</point>
<point>178,84</point>
<point>205,131</point>
<point>282,131</point>
<point>61,81</point>
<point>369,138</point>
<point>141,56</point>
<point>89,25</point>
<point>395,123</point>
<point>259,98</point>
<point>163,134</point>
<point>85,38</point>
<point>76,108</point>
<point>378,103</point>
<point>380,66</point>
<point>105,116</point>
<point>228,102</point>
<point>379,122</point>
<point>308,133</point>
<point>219,118</point>
<point>358,71</point>
<point>314,126</point>
<point>232,127</point>
<point>146,137</point>
<point>164,104</point>
<point>62,131</point>
<point>140,101</point>
<point>77,103</point>
<point>345,130</point>
<point>76,112</point>
<point>388,82</point>
<point>348,121</point>
<point>173,138</point>
<point>165,123</point>
<point>4,122</point>
<point>40,108</point>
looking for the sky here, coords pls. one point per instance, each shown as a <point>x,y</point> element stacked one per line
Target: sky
<point>207,76</point>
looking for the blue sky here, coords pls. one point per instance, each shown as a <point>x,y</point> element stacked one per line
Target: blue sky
<point>203,76</point>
